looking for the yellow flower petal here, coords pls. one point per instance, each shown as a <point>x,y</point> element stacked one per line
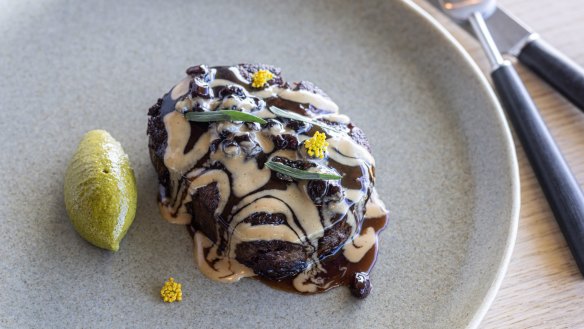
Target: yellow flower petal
<point>171,291</point>
<point>260,78</point>
<point>316,145</point>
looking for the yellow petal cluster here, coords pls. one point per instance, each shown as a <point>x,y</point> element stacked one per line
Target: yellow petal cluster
<point>171,291</point>
<point>260,78</point>
<point>316,145</point>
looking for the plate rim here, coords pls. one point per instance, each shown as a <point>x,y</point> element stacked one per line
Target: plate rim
<point>512,161</point>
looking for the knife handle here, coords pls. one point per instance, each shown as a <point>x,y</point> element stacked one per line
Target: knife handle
<point>557,182</point>
<point>558,70</point>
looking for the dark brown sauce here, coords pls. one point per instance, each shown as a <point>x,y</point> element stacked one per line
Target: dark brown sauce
<point>339,270</point>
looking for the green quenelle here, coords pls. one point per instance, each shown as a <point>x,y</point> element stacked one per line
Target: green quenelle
<point>100,190</point>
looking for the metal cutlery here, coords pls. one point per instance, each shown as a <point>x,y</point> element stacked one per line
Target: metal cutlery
<point>558,183</point>
<point>514,38</point>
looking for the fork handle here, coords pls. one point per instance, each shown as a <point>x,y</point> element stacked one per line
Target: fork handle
<point>559,71</point>
<point>557,182</point>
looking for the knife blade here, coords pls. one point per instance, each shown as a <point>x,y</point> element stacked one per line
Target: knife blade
<point>514,38</point>
<point>509,33</point>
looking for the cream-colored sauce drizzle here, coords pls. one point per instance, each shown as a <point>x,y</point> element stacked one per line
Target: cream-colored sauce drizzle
<point>305,96</point>
<point>265,113</point>
<point>237,74</point>
<point>354,194</point>
<point>244,172</point>
<point>332,210</point>
<point>345,150</point>
<point>224,269</point>
<point>299,96</point>
<point>339,118</point>
<point>265,142</point>
<point>356,250</point>
<point>179,132</point>
<point>181,217</point>
<point>246,105</point>
<point>291,233</point>
<point>375,207</point>
<point>271,91</point>
<point>246,232</point>
<point>180,89</point>
<point>301,205</point>
<point>308,281</point>
<point>263,204</point>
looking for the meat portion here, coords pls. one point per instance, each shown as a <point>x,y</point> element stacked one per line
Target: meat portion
<point>272,259</point>
<point>202,208</point>
<point>214,178</point>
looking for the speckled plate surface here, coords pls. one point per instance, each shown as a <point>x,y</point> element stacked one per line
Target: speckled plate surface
<point>446,164</point>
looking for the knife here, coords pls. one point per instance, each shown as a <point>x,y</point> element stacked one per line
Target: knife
<point>514,38</point>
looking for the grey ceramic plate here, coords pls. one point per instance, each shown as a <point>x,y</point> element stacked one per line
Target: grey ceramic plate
<point>446,163</point>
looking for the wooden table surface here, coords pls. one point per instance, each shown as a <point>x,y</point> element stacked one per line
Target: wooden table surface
<point>543,287</point>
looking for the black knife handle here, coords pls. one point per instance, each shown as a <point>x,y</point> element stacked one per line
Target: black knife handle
<point>557,182</point>
<point>558,70</point>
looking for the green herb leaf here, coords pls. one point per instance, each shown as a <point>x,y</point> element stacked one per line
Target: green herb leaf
<point>223,115</point>
<point>291,115</point>
<point>298,173</point>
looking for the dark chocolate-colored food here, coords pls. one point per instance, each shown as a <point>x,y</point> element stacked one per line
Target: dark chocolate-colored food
<point>301,235</point>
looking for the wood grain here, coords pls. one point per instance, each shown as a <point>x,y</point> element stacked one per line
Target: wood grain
<point>543,287</point>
